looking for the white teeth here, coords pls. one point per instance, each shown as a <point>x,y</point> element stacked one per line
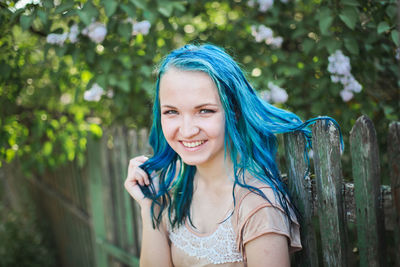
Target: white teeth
<point>192,144</point>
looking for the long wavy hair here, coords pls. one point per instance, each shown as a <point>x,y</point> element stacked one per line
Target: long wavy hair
<point>250,141</point>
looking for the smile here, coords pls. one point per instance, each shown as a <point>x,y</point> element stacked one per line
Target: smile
<point>192,144</point>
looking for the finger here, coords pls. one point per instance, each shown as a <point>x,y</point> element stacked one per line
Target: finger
<point>143,174</point>
<point>142,159</point>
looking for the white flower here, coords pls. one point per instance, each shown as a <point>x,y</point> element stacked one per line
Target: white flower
<point>335,79</point>
<point>94,93</point>
<point>346,95</point>
<point>261,33</point>
<point>73,34</point>
<point>339,63</point>
<point>142,27</point>
<point>58,39</point>
<point>96,32</point>
<point>352,84</point>
<point>265,5</point>
<point>278,95</point>
<point>277,42</point>
<point>340,69</point>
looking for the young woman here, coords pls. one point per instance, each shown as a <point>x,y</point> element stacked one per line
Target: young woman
<point>212,194</point>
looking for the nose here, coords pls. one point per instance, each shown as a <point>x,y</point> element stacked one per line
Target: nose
<point>188,127</point>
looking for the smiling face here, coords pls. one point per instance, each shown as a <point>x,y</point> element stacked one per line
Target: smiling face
<point>192,117</point>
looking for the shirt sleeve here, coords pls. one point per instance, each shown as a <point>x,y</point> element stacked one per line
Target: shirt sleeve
<point>257,216</point>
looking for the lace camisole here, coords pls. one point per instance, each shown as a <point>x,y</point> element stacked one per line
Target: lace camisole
<point>253,216</point>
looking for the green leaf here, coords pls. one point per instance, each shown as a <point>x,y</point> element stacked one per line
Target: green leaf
<point>60,51</point>
<point>349,2</point>
<point>324,24</point>
<point>129,9</point>
<point>87,13</point>
<point>331,44</point>
<point>25,21</point>
<point>179,6</point>
<point>349,16</point>
<point>5,70</point>
<point>391,11</point>
<point>325,20</point>
<point>166,8</point>
<point>96,130</point>
<point>124,84</point>
<point>395,37</point>
<point>125,30</point>
<point>139,4</point>
<point>351,45</point>
<point>102,80</point>
<point>110,7</point>
<point>106,65</point>
<point>90,55</point>
<point>66,5</point>
<point>308,45</point>
<point>48,3</point>
<point>300,31</point>
<point>383,26</point>
<point>125,61</point>
<point>42,16</point>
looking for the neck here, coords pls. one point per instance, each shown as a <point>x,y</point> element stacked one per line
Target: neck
<point>217,173</point>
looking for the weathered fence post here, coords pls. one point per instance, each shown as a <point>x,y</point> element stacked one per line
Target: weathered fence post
<point>328,170</point>
<point>300,190</point>
<point>96,200</point>
<point>394,168</point>
<point>119,158</point>
<point>366,176</point>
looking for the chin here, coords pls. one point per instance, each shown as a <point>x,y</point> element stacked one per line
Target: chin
<point>192,162</point>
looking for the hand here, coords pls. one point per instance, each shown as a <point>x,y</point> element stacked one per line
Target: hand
<point>136,176</point>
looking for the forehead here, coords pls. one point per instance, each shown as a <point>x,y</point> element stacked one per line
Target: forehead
<point>187,87</point>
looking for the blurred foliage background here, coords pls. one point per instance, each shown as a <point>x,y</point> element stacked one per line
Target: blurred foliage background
<point>45,116</point>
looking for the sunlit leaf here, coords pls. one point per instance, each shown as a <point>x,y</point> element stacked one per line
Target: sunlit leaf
<point>96,130</point>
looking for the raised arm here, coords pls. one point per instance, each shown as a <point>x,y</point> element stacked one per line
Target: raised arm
<point>155,249</point>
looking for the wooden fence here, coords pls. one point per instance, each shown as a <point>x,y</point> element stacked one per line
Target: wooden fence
<point>96,223</point>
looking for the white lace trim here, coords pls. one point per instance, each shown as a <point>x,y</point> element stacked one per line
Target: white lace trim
<point>219,247</point>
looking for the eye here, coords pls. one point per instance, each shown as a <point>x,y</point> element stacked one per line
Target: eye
<point>205,111</point>
<point>170,112</point>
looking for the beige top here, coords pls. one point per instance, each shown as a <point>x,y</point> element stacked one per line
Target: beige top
<point>252,217</point>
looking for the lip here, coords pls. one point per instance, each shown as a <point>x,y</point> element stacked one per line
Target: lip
<point>193,148</point>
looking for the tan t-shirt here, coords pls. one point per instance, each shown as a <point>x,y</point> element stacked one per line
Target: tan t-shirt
<point>252,217</point>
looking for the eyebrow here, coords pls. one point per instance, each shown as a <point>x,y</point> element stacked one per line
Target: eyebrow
<point>196,107</point>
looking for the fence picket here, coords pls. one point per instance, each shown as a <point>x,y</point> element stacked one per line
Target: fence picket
<point>96,200</point>
<point>300,190</point>
<point>328,170</point>
<point>366,175</point>
<point>394,167</point>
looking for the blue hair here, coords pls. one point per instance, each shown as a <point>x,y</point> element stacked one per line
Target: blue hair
<point>250,128</point>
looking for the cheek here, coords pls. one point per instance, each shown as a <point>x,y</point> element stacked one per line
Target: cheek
<point>168,129</point>
<point>216,128</point>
